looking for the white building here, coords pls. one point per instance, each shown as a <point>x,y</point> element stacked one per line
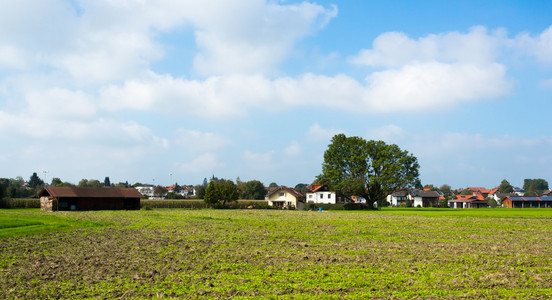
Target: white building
<point>319,193</point>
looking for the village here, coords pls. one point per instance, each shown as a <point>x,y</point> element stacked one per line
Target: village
<point>299,197</point>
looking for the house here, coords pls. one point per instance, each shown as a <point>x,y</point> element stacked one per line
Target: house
<point>467,201</point>
<point>423,198</point>
<point>399,197</point>
<point>482,191</point>
<point>285,197</point>
<point>499,196</point>
<point>145,190</point>
<point>319,193</point>
<point>519,191</point>
<point>527,202</point>
<point>77,198</point>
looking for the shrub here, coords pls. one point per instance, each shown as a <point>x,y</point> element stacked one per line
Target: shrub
<point>356,206</point>
<point>324,206</point>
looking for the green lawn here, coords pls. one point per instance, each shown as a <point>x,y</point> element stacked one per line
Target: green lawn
<point>403,253</point>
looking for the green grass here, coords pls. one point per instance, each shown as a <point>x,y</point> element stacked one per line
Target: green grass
<point>15,222</point>
<point>392,253</point>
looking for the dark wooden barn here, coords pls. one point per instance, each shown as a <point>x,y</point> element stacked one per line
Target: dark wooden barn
<point>76,198</point>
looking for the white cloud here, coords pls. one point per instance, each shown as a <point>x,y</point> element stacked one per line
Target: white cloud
<point>318,133</point>
<point>11,57</point>
<point>388,133</point>
<point>395,49</point>
<point>434,85</point>
<point>293,149</point>
<point>257,36</point>
<point>416,87</point>
<point>204,163</point>
<point>58,103</point>
<point>539,46</point>
<point>197,141</point>
<point>259,161</point>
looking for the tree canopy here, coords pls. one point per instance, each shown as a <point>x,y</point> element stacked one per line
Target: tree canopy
<point>253,190</point>
<point>35,181</point>
<point>369,169</point>
<point>534,187</point>
<point>505,187</point>
<point>221,191</point>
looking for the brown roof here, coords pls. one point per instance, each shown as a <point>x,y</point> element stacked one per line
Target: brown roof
<point>105,192</point>
<point>428,194</point>
<point>293,191</point>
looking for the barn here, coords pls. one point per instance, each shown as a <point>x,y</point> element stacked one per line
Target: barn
<point>77,198</point>
<point>527,202</point>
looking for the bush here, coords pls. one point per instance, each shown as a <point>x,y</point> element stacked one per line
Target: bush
<point>356,206</point>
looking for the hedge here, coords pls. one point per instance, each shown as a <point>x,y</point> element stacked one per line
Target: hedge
<point>20,203</point>
<point>339,206</point>
<point>198,204</point>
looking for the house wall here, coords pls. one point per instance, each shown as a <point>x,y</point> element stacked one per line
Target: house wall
<point>286,199</point>
<point>507,203</point>
<point>321,197</point>
<point>47,204</point>
<point>417,201</point>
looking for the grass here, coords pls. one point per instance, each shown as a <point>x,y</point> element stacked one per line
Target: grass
<point>401,253</point>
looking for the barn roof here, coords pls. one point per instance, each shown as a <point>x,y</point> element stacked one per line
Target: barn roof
<point>544,198</point>
<point>74,192</point>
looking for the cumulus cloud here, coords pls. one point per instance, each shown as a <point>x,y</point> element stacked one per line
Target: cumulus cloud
<point>318,133</point>
<point>293,149</point>
<point>387,133</point>
<point>197,141</point>
<point>259,161</point>
<point>204,163</point>
<point>257,36</point>
<point>396,49</point>
<point>539,46</point>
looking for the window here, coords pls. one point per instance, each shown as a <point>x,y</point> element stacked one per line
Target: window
<point>329,196</point>
<point>282,194</point>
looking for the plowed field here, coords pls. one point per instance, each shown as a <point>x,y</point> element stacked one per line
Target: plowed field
<point>276,254</point>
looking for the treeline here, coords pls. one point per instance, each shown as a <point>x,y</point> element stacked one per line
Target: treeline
<point>19,188</point>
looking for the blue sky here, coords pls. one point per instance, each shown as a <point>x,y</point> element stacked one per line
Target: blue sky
<point>176,91</point>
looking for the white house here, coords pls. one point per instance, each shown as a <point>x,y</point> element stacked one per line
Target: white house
<point>426,198</point>
<point>319,193</point>
<point>399,197</point>
<point>145,190</point>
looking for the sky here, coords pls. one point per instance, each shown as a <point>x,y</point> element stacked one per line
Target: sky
<point>173,91</point>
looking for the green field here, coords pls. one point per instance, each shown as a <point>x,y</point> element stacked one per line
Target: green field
<point>409,253</point>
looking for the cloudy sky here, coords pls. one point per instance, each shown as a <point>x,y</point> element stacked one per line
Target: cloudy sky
<point>175,91</point>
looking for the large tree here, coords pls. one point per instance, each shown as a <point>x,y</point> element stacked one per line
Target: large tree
<point>35,181</point>
<point>220,192</point>
<point>369,169</point>
<point>534,187</point>
<point>253,190</point>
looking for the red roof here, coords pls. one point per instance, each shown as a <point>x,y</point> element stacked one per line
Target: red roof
<point>469,197</point>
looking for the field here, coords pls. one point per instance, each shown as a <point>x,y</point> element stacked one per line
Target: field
<point>491,253</point>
